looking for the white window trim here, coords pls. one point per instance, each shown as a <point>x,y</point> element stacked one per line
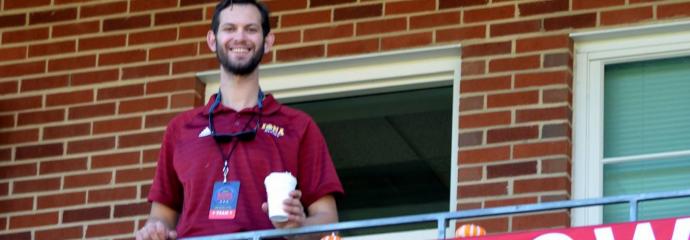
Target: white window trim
<point>594,50</point>
<point>367,74</point>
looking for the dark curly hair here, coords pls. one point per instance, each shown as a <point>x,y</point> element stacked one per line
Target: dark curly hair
<point>265,24</point>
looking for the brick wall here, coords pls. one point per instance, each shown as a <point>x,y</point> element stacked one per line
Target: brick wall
<point>86,88</point>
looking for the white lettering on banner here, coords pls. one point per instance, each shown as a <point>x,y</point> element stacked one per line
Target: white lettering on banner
<point>553,236</point>
<point>605,233</point>
<point>643,231</point>
<point>681,231</point>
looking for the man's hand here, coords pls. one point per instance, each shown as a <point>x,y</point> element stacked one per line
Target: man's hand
<point>293,207</point>
<point>155,230</point>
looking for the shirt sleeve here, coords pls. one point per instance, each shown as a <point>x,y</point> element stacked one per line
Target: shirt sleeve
<point>166,188</point>
<point>317,176</point>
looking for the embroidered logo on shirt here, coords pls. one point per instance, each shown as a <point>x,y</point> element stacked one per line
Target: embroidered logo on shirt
<point>273,129</point>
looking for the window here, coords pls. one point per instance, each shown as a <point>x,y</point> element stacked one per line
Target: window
<point>631,119</point>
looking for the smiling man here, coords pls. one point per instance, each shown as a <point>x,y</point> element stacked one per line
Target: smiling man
<point>213,159</point>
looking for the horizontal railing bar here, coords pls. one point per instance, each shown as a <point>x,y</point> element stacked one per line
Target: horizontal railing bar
<point>442,217</point>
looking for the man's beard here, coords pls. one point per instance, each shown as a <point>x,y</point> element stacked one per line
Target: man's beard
<point>237,68</point>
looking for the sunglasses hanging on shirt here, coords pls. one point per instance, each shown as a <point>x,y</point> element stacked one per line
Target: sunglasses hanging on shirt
<point>244,135</point>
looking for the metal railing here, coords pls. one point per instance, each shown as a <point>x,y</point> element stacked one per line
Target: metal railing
<point>442,218</point>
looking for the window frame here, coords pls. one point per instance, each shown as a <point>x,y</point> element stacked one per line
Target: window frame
<point>399,70</point>
<point>593,51</point>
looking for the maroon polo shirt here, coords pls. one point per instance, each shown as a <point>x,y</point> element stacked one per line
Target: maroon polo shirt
<point>188,165</point>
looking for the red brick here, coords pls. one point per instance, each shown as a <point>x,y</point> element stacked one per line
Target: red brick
<point>86,180</point>
<point>91,111</point>
<point>528,150</point>
<point>556,96</point>
<point>557,60</point>
<point>18,136</point>
<point>483,190</point>
<point>193,31</point>
<point>196,65</point>
<point>120,92</point>
<point>62,166</point>
<point>626,16</point>
<point>357,12</point>
<point>42,83</point>
<point>485,119</point>
<point>410,6</point>
<point>459,34</point>
<point>279,6</point>
<point>584,20</point>
<point>329,32</point>
<point>488,14</point>
<point>126,23</point>
<point>68,98</point>
<point>319,3</point>
<point>6,121</point>
<point>511,169</point>
<point>39,151</point>
<point>512,134</point>
<point>25,35</point>
<point>132,209</point>
<point>52,48</point>
<point>105,42</point>
<point>116,125</point>
<point>144,5</point>
<point>115,159</point>
<point>6,154</point>
<point>442,4</point>
<point>485,84</point>
<point>103,9</point>
<point>561,41</point>
<point>34,220</point>
<point>542,79</point>
<point>14,20</point>
<point>71,63</point>
<point>470,139</point>
<point>21,103</point>
<point>185,100</point>
<point>99,76</point>
<point>484,155</point>
<point>144,190</point>
<point>471,103</point>
<point>60,233</point>
<point>19,69</point>
<point>514,63</point>
<point>543,7</point>
<point>158,120</point>
<point>61,200</point>
<point>52,16</point>
<point>282,38</point>
<point>470,174</point>
<point>134,175</point>
<point>503,29</point>
<point>178,17</point>
<point>39,117</point>
<point>13,53</point>
<point>16,205</point>
<point>143,105</point>
<point>542,185</point>
<point>406,41</point>
<point>85,214</point>
<point>126,57</point>
<point>66,131</point>
<point>588,4</point>
<point>510,202</point>
<point>155,36</point>
<point>146,71</point>
<point>673,10</point>
<point>62,2</point>
<point>435,20</point>
<point>175,51</point>
<point>559,219</point>
<point>487,49</point>
<point>298,53</point>
<point>91,145</point>
<point>113,194</point>
<point>16,236</point>
<point>556,130</point>
<point>36,185</point>
<point>110,228</point>
<point>380,26</point>
<point>140,139</point>
<point>353,47</point>
<point>469,206</point>
<point>4,191</point>
<point>76,29</point>
<point>558,165</point>
<point>512,99</point>
<point>306,18</point>
<point>543,114</point>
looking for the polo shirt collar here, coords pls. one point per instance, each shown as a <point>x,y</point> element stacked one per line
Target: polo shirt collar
<point>270,106</point>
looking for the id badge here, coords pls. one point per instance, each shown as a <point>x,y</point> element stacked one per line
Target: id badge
<point>224,200</point>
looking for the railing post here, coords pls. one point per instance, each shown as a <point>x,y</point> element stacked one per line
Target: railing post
<point>441,221</point>
<point>633,209</point>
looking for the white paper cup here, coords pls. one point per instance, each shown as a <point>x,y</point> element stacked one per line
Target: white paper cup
<point>278,188</point>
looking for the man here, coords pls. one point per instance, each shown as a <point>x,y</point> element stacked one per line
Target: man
<point>213,160</point>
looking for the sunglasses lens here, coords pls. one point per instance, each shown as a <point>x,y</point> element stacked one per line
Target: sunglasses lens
<point>246,136</point>
<point>222,138</point>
